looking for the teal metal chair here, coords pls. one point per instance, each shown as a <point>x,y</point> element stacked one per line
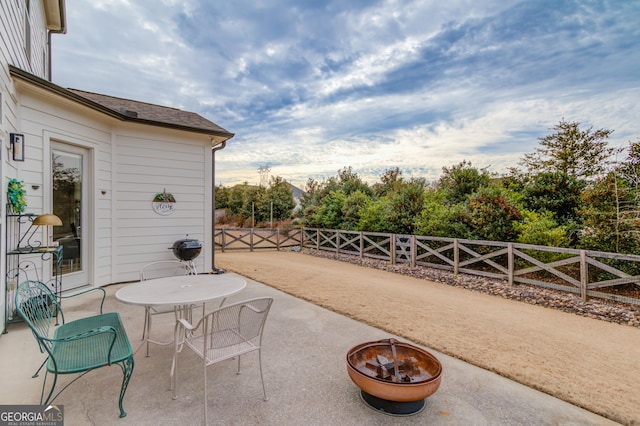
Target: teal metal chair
<point>74,347</point>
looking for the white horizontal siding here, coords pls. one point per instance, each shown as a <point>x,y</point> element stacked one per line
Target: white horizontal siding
<point>130,164</point>
<point>12,38</point>
<point>12,52</point>
<point>146,167</point>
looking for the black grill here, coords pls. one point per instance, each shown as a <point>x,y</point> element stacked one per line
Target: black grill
<point>186,249</point>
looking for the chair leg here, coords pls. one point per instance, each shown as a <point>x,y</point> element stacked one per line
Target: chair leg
<point>40,368</point>
<point>177,347</point>
<point>127,371</point>
<point>264,390</point>
<point>44,384</point>
<point>205,393</point>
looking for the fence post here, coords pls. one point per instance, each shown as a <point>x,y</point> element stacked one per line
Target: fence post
<point>361,245</point>
<point>413,251</point>
<point>392,249</point>
<point>456,256</point>
<point>337,242</point>
<point>584,275</point>
<point>510,265</point>
<point>317,239</point>
<point>251,239</point>
<point>278,239</point>
<point>223,240</point>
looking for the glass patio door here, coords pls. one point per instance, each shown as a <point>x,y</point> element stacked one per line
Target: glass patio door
<point>69,193</point>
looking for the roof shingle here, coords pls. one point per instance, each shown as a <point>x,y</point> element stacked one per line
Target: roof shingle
<point>129,110</point>
<point>151,112</point>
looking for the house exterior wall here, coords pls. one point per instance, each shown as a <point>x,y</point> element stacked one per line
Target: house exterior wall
<point>24,37</point>
<point>14,17</point>
<point>130,163</point>
<point>147,164</point>
<point>23,43</point>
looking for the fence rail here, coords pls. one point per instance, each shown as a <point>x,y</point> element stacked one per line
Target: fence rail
<point>588,273</point>
<point>256,238</point>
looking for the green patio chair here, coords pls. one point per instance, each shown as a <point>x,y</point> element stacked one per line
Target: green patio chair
<point>74,347</point>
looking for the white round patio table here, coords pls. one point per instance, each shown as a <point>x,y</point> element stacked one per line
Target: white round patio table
<point>181,290</point>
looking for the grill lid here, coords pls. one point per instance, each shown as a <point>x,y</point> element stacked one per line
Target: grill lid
<point>186,244</point>
<point>186,249</point>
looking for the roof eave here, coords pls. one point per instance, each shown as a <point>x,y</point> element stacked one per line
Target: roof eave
<point>67,94</point>
<point>55,14</point>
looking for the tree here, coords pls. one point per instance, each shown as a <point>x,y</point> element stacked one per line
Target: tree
<point>554,192</point>
<point>611,217</point>
<point>578,153</point>
<point>311,189</point>
<point>352,209</point>
<point>541,229</point>
<point>439,219</point>
<point>222,197</point>
<point>374,216</point>
<point>349,182</point>
<point>462,180</point>
<point>329,213</point>
<point>389,181</point>
<point>244,201</point>
<point>629,169</point>
<point>492,214</point>
<point>277,200</point>
<point>406,202</point>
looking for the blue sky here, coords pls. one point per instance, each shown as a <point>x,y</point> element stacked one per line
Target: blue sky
<point>311,87</point>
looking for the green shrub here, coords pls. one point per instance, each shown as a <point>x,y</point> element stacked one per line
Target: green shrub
<point>541,229</point>
<point>438,219</point>
<point>493,214</point>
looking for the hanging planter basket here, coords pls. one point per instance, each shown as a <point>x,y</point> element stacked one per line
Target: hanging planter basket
<point>164,203</point>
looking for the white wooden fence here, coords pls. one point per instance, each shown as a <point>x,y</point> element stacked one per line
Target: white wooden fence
<point>584,272</point>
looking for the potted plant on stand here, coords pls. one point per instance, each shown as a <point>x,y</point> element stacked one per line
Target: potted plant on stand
<point>16,195</point>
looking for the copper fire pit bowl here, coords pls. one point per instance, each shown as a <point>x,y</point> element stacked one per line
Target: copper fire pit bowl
<point>391,373</point>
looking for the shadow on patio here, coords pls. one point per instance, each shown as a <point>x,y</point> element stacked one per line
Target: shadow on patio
<point>304,351</point>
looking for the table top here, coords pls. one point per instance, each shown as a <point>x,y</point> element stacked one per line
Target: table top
<point>181,290</point>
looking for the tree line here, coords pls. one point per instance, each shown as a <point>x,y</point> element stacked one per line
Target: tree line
<point>574,191</point>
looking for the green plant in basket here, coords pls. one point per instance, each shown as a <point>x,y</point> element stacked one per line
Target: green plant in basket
<point>16,194</point>
<point>164,197</point>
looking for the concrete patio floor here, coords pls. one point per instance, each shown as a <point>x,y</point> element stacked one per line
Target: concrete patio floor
<point>304,353</point>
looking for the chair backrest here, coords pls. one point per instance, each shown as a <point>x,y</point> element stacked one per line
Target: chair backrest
<point>164,268</point>
<point>233,324</point>
<point>38,305</point>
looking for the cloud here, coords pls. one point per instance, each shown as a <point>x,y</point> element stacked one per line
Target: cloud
<point>312,87</point>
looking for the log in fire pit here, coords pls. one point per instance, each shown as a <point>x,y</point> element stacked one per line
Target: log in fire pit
<point>394,377</point>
